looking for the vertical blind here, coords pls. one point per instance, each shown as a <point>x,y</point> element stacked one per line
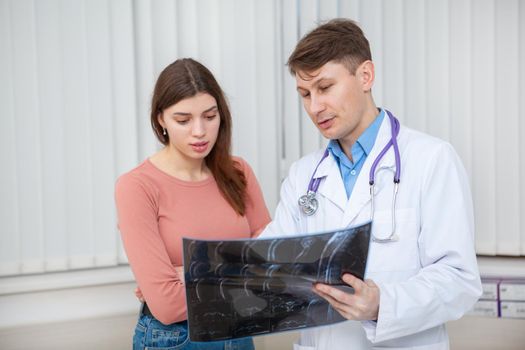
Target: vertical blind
<point>76,78</point>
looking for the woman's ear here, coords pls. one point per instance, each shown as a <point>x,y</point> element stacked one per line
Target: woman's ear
<point>160,119</point>
<point>366,75</point>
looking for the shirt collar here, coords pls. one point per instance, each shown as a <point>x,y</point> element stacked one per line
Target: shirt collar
<point>335,148</point>
<point>368,137</point>
<point>365,141</point>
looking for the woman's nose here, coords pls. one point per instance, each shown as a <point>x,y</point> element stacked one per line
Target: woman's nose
<point>198,129</point>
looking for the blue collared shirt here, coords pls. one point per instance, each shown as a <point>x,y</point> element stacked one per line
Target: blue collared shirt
<point>360,150</point>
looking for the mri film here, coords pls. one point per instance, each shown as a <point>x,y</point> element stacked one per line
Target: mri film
<point>241,288</point>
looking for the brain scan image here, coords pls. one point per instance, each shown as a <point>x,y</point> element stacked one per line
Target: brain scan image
<point>243,288</point>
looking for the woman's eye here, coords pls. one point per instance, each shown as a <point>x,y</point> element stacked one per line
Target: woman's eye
<point>210,117</point>
<point>182,121</point>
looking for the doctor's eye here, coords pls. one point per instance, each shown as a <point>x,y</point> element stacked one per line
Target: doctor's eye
<point>304,94</point>
<point>324,88</point>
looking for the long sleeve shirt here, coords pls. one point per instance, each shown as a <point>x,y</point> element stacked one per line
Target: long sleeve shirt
<point>155,210</point>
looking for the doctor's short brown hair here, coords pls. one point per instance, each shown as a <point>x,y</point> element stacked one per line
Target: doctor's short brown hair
<point>339,40</point>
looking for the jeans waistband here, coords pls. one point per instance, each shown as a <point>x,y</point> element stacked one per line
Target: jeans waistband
<point>145,310</point>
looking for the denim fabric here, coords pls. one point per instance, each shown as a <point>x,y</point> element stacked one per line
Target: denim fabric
<point>150,334</point>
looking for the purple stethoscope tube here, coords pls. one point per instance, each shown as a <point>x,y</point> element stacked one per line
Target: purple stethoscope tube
<point>309,204</point>
<point>394,127</point>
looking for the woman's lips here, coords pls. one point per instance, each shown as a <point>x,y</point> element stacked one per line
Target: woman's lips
<point>199,147</point>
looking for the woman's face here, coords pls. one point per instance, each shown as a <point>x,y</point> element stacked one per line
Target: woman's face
<point>192,125</point>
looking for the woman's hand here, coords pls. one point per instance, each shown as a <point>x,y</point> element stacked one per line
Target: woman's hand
<point>138,294</point>
<point>179,271</point>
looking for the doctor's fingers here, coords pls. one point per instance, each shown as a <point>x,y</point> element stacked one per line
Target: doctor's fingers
<point>346,310</point>
<point>370,283</point>
<point>334,293</point>
<point>354,282</point>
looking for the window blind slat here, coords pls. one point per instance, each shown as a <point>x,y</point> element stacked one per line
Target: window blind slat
<point>309,17</point>
<point>291,125</point>
<point>98,41</point>
<point>415,65</point>
<point>52,134</point>
<point>437,62</point>
<point>267,116</point>
<point>506,127</point>
<point>521,123</point>
<point>10,237</point>
<point>164,39</point>
<point>145,74</point>
<point>372,21</point>
<point>27,137</point>
<point>460,78</point>
<point>125,116</point>
<point>77,137</point>
<point>394,52</point>
<point>483,108</point>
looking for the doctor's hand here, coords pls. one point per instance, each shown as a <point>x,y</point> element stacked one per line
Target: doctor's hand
<point>363,305</point>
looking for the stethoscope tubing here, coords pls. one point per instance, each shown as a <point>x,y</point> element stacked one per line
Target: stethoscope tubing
<point>309,204</point>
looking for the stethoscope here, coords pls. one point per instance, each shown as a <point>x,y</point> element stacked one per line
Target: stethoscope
<point>309,204</point>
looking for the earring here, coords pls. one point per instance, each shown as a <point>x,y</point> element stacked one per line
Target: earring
<point>164,132</point>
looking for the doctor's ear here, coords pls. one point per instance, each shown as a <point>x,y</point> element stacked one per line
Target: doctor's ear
<point>365,73</point>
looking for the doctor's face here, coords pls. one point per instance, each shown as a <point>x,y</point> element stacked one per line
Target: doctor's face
<point>339,103</point>
<point>192,125</point>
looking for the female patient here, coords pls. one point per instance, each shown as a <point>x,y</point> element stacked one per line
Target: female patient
<point>192,187</point>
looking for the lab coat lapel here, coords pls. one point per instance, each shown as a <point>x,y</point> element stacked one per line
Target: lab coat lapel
<point>360,196</point>
<point>332,186</point>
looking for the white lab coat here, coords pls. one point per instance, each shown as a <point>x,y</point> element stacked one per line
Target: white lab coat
<point>426,278</point>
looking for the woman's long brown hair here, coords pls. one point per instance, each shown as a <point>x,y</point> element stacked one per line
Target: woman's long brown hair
<point>183,79</point>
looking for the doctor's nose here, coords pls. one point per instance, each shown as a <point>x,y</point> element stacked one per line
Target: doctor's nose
<point>316,105</point>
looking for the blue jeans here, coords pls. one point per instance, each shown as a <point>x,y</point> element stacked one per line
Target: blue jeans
<point>150,334</point>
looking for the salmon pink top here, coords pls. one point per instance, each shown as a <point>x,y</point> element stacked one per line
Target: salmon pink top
<point>155,210</point>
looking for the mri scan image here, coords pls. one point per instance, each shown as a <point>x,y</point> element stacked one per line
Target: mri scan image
<point>241,288</point>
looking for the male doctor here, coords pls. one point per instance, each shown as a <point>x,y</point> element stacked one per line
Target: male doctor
<point>422,270</point>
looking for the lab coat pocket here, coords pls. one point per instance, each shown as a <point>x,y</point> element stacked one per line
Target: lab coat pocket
<point>396,255</point>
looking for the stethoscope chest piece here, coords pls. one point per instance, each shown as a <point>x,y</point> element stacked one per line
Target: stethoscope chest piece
<point>308,203</point>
